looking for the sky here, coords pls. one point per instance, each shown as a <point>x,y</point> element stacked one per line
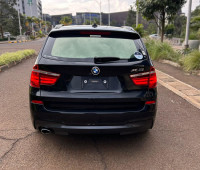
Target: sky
<point>56,7</point>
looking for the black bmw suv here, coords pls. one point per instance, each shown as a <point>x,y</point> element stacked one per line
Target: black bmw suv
<point>93,79</point>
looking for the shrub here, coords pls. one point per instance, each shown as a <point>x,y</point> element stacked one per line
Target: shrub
<point>192,61</point>
<point>32,37</point>
<point>7,58</point>
<point>158,50</point>
<point>193,36</point>
<point>140,29</point>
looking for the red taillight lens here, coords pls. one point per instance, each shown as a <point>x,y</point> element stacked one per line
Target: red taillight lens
<point>37,102</point>
<point>35,79</point>
<point>152,78</point>
<point>150,102</point>
<point>48,80</point>
<point>40,77</point>
<point>145,79</point>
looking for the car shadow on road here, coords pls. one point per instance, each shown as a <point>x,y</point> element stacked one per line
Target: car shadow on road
<point>104,143</point>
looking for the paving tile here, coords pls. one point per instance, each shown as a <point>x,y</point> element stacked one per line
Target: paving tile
<point>197,98</point>
<point>168,80</point>
<point>191,92</point>
<point>179,86</point>
<point>187,92</point>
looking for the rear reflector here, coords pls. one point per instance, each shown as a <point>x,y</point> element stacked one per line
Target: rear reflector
<point>150,102</point>
<point>40,77</point>
<point>37,102</point>
<point>145,79</point>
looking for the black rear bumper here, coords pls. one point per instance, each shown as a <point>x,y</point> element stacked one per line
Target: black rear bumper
<point>61,129</point>
<point>88,122</point>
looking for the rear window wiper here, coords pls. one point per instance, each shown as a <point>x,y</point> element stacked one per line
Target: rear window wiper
<point>98,60</point>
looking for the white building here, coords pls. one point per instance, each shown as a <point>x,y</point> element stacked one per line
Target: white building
<point>30,7</point>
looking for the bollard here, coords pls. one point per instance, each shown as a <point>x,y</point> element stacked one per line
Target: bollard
<point>8,38</point>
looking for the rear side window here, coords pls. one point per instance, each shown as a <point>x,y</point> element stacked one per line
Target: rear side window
<point>90,47</point>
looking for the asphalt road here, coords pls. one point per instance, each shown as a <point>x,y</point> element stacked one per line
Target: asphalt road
<point>174,143</point>
<point>36,45</point>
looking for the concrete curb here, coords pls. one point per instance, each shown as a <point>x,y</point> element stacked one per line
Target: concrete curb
<point>170,63</point>
<point>187,92</point>
<point>197,72</point>
<point>5,67</point>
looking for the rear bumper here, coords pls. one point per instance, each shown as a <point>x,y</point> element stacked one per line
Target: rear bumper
<point>61,129</point>
<point>84,122</point>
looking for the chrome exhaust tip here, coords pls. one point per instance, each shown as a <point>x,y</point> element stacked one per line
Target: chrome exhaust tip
<point>45,131</point>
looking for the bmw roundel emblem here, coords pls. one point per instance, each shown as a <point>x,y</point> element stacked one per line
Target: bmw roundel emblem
<point>95,71</point>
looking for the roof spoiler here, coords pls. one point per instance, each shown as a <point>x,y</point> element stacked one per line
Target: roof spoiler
<point>58,26</point>
<point>128,28</point>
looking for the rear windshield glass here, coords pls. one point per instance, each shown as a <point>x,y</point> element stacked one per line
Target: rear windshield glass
<point>77,48</point>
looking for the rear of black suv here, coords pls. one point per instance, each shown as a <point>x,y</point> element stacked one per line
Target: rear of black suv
<point>93,80</point>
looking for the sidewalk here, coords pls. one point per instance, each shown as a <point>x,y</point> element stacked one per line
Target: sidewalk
<point>176,80</point>
<point>179,74</point>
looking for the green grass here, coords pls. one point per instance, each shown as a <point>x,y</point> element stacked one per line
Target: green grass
<point>191,61</point>
<point>160,51</point>
<point>7,58</point>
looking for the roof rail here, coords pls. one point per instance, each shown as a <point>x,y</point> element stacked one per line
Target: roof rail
<point>58,26</point>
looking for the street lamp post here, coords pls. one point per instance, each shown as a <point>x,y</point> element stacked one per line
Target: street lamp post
<point>90,18</point>
<point>137,13</point>
<point>100,14</point>
<point>100,11</point>
<point>109,12</point>
<point>188,24</point>
<point>84,19</point>
<point>30,4</point>
<point>45,24</point>
<point>20,27</point>
<point>158,29</point>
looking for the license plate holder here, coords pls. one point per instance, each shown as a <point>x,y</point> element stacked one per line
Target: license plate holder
<point>95,83</point>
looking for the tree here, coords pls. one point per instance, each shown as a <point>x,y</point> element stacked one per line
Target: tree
<point>87,22</point>
<point>12,23</point>
<point>113,23</point>
<point>195,23</point>
<point>140,29</point>
<point>196,12</point>
<point>151,28</point>
<point>169,29</point>
<point>131,18</point>
<point>179,25</point>
<point>66,20</point>
<point>96,21</point>
<point>160,11</point>
<point>6,12</point>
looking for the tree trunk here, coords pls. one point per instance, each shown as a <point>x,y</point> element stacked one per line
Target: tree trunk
<point>1,29</point>
<point>163,26</point>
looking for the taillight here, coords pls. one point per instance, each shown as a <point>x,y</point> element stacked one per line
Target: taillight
<point>145,79</point>
<point>40,77</point>
<point>37,102</point>
<point>150,102</point>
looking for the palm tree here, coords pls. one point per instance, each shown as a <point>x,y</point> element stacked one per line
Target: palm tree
<point>66,20</point>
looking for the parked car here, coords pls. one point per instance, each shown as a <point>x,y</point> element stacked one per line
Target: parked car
<point>155,36</point>
<point>6,34</point>
<point>93,79</point>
